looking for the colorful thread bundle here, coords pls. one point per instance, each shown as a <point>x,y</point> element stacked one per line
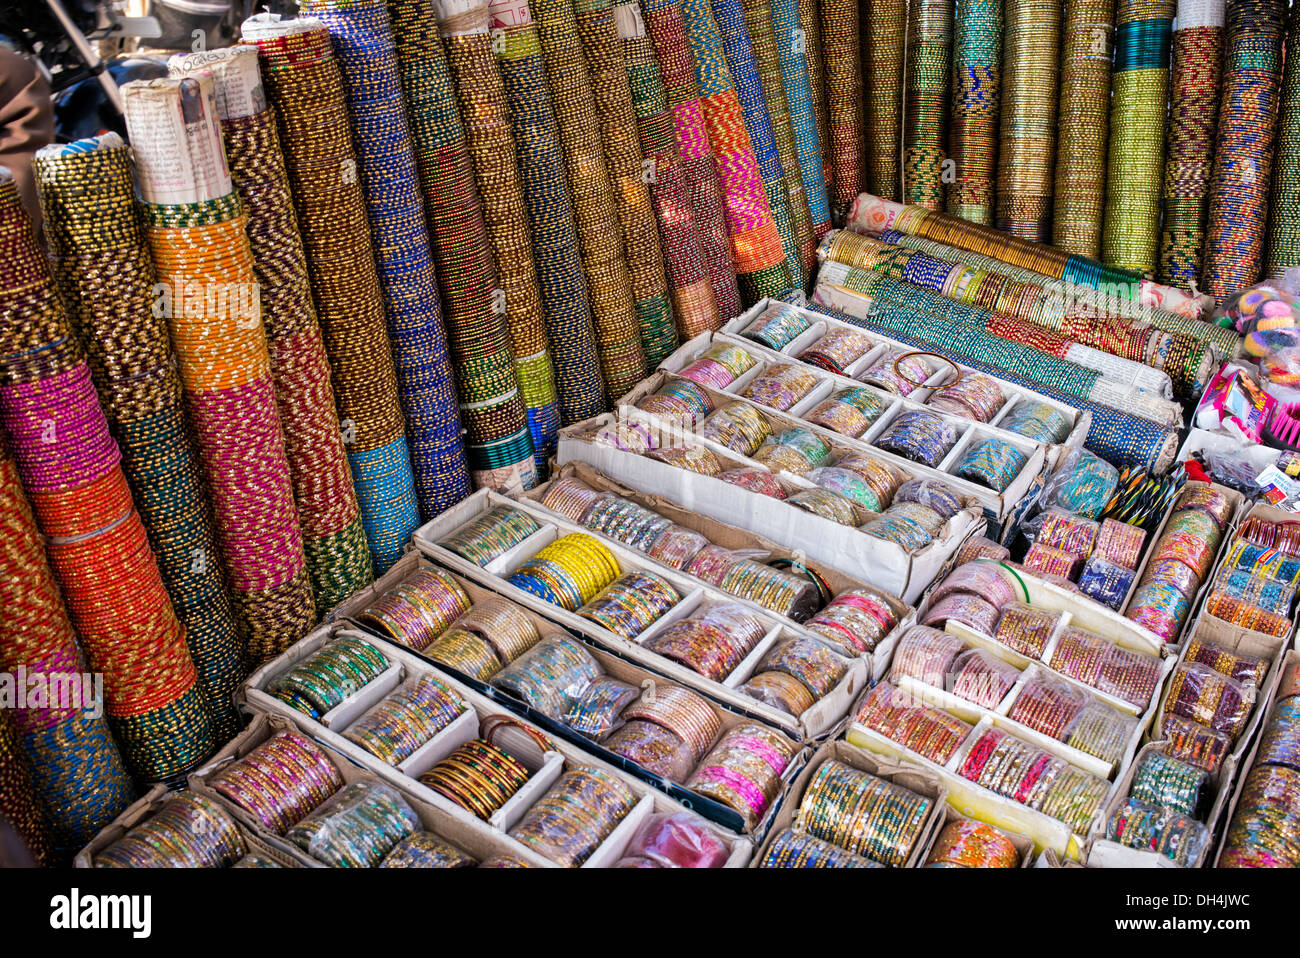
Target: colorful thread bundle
<point>108,285</point>
<point>303,82</point>
<point>976,102</point>
<point>334,540</point>
<point>367,60</point>
<point>926,96</point>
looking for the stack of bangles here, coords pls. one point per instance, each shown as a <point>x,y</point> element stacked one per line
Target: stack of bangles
<point>964,607</point>
<point>418,609</point>
<point>738,426</point>
<point>743,771</point>
<point>1152,828</point>
<point>856,620</point>
<point>719,366</point>
<point>863,814</point>
<point>1265,829</point>
<point>1038,421</point>
<point>280,782</point>
<point>793,450</point>
<point>1161,780</point>
<point>965,843</point>
<point>356,828</point>
<point>920,436</point>
<point>837,350</point>
<point>994,463</point>
<point>188,831</point>
<point>426,850</point>
<point>927,731</point>
<point>1199,693</point>
<point>549,675</point>
<point>679,400</point>
<point>780,386</point>
<point>755,480</point>
<point>827,505</point>
<point>492,633</point>
<point>777,327</point>
<point>490,534</point>
<point>849,412</point>
<point>981,677</point>
<point>1070,533</point>
<point>1279,744</point>
<point>713,641</point>
<point>972,396</point>
<point>1282,536</point>
<point>813,664</point>
<point>1068,714</point>
<point>409,716</point>
<point>774,589</point>
<point>798,849</point>
<point>1249,669</point>
<point>327,677</point>
<point>631,603</point>
<point>478,777</point>
<point>695,459</point>
<point>626,522</point>
<point>1194,743</point>
<point>571,820</point>
<point>569,572</point>
<point>1099,664</point>
<point>848,485</point>
<point>1120,543</point>
<point>926,655</point>
<point>1025,628</point>
<point>687,715</point>
<point>899,373</point>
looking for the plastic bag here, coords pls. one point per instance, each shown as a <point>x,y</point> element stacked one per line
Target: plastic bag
<point>926,655</point>
<point>654,748</point>
<point>1159,779</point>
<point>809,661</point>
<point>743,771</point>
<point>1140,825</point>
<point>598,709</point>
<point>937,496</point>
<point>426,850</point>
<point>1199,693</point>
<point>1082,484</point>
<point>900,717</point>
<point>755,480</point>
<point>678,840</point>
<point>676,546</point>
<point>981,677</point>
<point>1192,742</point>
<point>1105,582</point>
<point>1025,629</point>
<point>356,827</point>
<point>550,676</point>
<point>780,691</point>
<point>1096,662</point>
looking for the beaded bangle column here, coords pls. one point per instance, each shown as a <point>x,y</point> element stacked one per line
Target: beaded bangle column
<point>926,87</point>
<point>303,83</point>
<point>689,285</point>
<point>69,467</point>
<point>884,39</point>
<point>810,23</point>
<point>1193,114</point>
<point>107,280</point>
<point>757,249</point>
<point>1243,152</point>
<point>566,306</point>
<point>677,67</point>
<point>729,15</point>
<point>1131,227</point>
<point>842,59</point>
<point>645,259</point>
<point>1030,48</point>
<point>481,94</point>
<point>76,770</point>
<point>976,98</point>
<point>1284,216</point>
<point>1082,126</point>
<point>334,540</point>
<point>367,59</point>
<point>491,406</point>
<point>609,282</point>
<point>19,807</point>
<point>760,25</point>
<point>196,231</point>
<point>792,44</point>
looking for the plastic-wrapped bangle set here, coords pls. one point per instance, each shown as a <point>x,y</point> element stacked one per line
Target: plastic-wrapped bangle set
<point>898,373</point>
<point>1068,714</point>
<point>791,849</point>
<point>793,450</point>
<point>426,850</point>
<point>837,350</point>
<point>1265,829</point>
<point>492,633</point>
<point>711,641</point>
<point>994,463</point>
<point>489,535</point>
<point>357,827</point>
<point>965,843</point>
<point>777,327</point>
<point>812,664</point>
<point>719,366</point>
<point>1037,421</point>
<point>1097,663</point>
<point>919,436</point>
<point>737,426</point>
<point>674,840</point>
<point>406,719</point>
<point>1182,787</point>
<point>1153,828</point>
<point>856,620</point>
<point>780,386</point>
<point>1025,629</point>
<point>972,396</point>
<point>863,814</point>
<point>1257,583</point>
<point>188,831</point>
<point>680,401</point>
<point>1204,696</point>
<point>927,731</point>
<point>849,412</point>
<point>743,770</point>
<point>418,610</point>
<point>631,604</point>
<point>550,675</point>
<point>327,677</point>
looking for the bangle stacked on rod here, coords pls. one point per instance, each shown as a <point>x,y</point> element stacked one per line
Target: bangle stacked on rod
<point>976,101</point>
<point>799,49</point>
<point>842,58</point>
<point>926,91</point>
<point>1284,209</point>
<point>20,805</point>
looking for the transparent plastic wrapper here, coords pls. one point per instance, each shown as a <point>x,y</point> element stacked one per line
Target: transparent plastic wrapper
<point>1036,420</point>
<point>719,366</point>
<point>850,485</point>
<point>686,714</point>
<point>426,850</point>
<point>1049,705</point>
<point>1279,743</point>
<point>755,480</point>
<point>712,562</point>
<point>743,771</point>
<point>1105,582</point>
<point>981,677</point>
<point>598,710</point>
<point>993,463</point>
<point>971,396</point>
<point>465,652</point>
<point>925,654</point>
<point>795,450</point>
<point>1282,536</point>
<point>897,372</point>
<point>1024,773</point>
<point>627,436</point>
<point>489,535</point>
<point>899,717</point>
<point>780,386</point>
<point>922,515</point>
<point>828,505</point>
<point>1246,668</point>
<point>1102,665</point>
<point>188,831</point>
<point>677,546</point>
<point>797,849</point>
<point>856,620</point>
<point>965,608</point>
<point>919,436</point>
<point>680,401</point>
<point>356,827</point>
<point>1151,828</point>
<point>256,861</point>
<point>1188,545</point>
<point>738,426</point>
<point>711,641</point>
<point>326,677</point>
<point>879,475</point>
<point>1102,730</point>
<point>791,595</point>
<point>695,459</point>
<point>1082,484</point>
<point>417,610</point>
<point>779,690</point>
<point>809,661</point>
<point>550,676</point>
<point>1194,743</point>
<point>1265,829</point>
<point>904,532</point>
<point>300,773</point>
<point>849,412</point>
<point>1172,572</point>
<point>1159,779</point>
<point>777,327</point>
<point>654,748</point>
<point>1246,615</point>
<point>1260,591</point>
<point>1025,629</point>
<point>625,521</point>
<point>570,821</point>
<point>1268,317</point>
<point>989,580</point>
<point>936,495</point>
<point>406,718</point>
<point>1159,607</point>
<point>1213,502</point>
<point>677,840</point>
<point>1065,531</point>
<point>964,843</point>
<point>1046,560</point>
<point>837,350</point>
<point>631,603</point>
<point>502,624</point>
<point>1199,693</point>
<point>862,814</point>
<point>1120,543</point>
<point>981,547</point>
<point>477,776</point>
